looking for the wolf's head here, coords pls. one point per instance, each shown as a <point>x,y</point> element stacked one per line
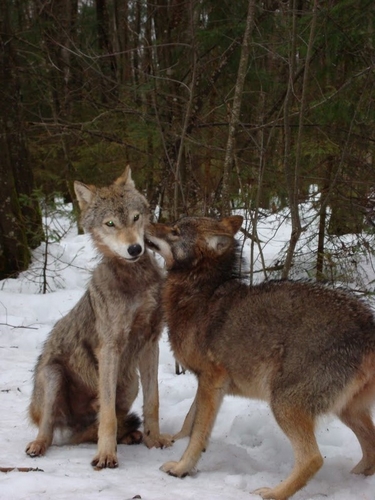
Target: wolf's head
<point>115,216</point>
<point>193,240</point>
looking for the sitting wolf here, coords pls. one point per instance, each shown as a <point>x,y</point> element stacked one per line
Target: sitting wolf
<point>86,377</point>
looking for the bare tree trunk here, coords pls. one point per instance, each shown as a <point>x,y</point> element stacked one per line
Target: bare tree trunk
<point>57,20</point>
<point>322,221</point>
<point>19,226</point>
<point>14,252</point>
<point>108,63</point>
<point>236,108</point>
<point>120,21</point>
<point>255,214</point>
<point>292,175</point>
<point>288,170</point>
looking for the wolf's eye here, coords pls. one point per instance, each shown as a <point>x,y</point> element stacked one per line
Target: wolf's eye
<point>110,223</point>
<point>136,217</point>
<point>175,231</point>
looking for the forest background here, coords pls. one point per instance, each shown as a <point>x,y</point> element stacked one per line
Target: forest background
<point>216,105</point>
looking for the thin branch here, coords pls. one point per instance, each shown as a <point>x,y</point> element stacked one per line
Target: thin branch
<point>293,176</point>
<point>20,326</point>
<point>236,108</point>
<point>187,118</point>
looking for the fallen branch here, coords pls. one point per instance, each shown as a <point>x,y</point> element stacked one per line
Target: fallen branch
<point>20,469</point>
<point>19,326</point>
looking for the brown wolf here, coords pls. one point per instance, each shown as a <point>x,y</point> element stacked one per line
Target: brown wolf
<point>86,377</point>
<point>304,348</point>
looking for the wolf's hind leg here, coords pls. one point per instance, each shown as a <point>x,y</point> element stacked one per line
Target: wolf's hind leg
<point>88,435</point>
<point>188,422</point>
<point>43,408</point>
<point>299,427</point>
<point>360,422</point>
<point>357,415</point>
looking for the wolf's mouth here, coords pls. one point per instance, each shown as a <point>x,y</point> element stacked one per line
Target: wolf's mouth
<point>150,244</point>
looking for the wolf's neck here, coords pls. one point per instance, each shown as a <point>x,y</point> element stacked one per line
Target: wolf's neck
<point>201,282</point>
<point>143,270</point>
<point>189,295</point>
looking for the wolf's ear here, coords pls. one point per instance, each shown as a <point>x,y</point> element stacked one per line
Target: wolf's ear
<point>84,194</point>
<point>232,223</point>
<point>219,243</point>
<point>125,179</point>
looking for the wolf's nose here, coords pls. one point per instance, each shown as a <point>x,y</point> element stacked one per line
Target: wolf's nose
<point>135,250</point>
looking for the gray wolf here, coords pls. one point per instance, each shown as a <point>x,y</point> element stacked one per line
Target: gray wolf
<point>305,348</point>
<point>86,378</point>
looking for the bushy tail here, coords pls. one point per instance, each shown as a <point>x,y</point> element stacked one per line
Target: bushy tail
<point>127,431</point>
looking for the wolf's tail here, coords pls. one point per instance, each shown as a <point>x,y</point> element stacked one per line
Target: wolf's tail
<point>127,431</point>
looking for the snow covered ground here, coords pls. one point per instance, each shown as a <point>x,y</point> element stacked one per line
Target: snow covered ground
<point>247,450</point>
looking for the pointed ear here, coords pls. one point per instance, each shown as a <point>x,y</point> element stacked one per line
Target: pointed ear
<point>232,223</point>
<point>84,194</point>
<point>219,243</point>
<point>125,179</point>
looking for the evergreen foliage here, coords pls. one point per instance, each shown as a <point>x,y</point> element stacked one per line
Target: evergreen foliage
<point>106,83</point>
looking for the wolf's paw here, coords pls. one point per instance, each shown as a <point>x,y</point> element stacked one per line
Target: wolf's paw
<point>268,494</point>
<point>102,461</point>
<point>159,441</point>
<point>174,469</point>
<point>37,448</point>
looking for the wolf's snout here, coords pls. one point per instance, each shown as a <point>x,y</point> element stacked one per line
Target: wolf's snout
<point>135,250</point>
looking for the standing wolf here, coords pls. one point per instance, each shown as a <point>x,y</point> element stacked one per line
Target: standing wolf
<point>304,348</point>
<point>86,377</point>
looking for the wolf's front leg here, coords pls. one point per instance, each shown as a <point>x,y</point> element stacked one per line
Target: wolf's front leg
<point>148,368</point>
<point>108,373</point>
<point>212,387</point>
